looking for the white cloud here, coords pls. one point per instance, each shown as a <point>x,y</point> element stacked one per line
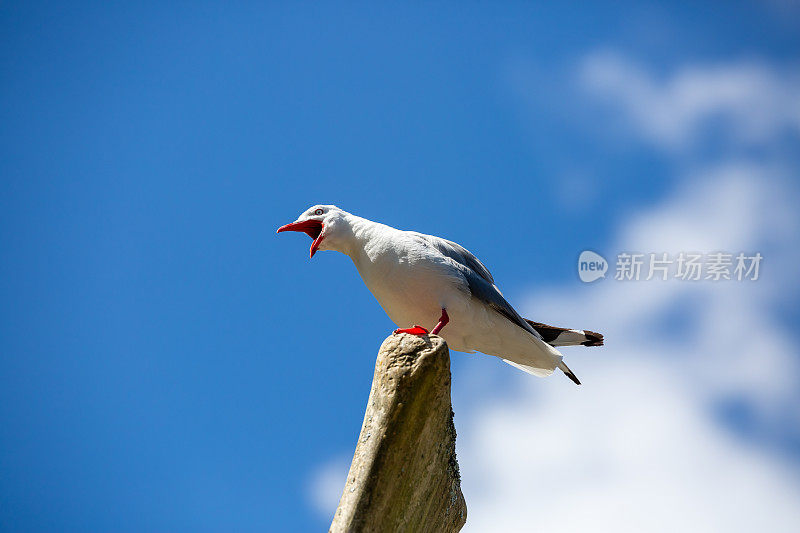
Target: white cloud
<point>633,454</point>
<point>752,102</point>
<point>638,447</point>
<point>327,483</point>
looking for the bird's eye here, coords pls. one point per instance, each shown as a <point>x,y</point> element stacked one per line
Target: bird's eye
<point>318,212</point>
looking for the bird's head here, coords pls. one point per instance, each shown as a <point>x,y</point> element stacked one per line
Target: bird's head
<point>326,224</point>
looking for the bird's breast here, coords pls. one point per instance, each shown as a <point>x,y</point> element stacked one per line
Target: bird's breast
<point>410,287</point>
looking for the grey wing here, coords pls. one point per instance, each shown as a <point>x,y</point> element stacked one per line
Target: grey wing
<point>489,294</point>
<point>457,253</point>
<point>479,279</point>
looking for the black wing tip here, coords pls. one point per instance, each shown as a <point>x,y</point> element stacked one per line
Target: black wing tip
<point>592,338</point>
<point>572,376</point>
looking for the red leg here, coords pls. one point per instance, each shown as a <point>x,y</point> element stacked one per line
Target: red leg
<point>419,330</point>
<point>443,320</point>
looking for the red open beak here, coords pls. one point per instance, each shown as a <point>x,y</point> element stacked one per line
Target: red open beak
<point>312,228</point>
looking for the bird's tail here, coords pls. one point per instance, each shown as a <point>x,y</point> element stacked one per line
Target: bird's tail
<point>566,337</point>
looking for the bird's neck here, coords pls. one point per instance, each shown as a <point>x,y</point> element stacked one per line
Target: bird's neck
<point>366,234</point>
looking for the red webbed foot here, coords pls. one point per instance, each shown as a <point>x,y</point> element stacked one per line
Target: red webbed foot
<point>419,330</point>
<point>416,330</point>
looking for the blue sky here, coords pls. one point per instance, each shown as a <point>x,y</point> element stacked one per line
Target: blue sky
<point>168,363</point>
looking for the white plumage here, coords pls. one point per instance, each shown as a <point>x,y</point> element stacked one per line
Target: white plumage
<point>415,277</point>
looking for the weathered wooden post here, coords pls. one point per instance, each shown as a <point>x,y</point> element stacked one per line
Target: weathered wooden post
<point>404,475</point>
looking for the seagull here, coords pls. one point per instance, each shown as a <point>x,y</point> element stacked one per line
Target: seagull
<point>423,279</point>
